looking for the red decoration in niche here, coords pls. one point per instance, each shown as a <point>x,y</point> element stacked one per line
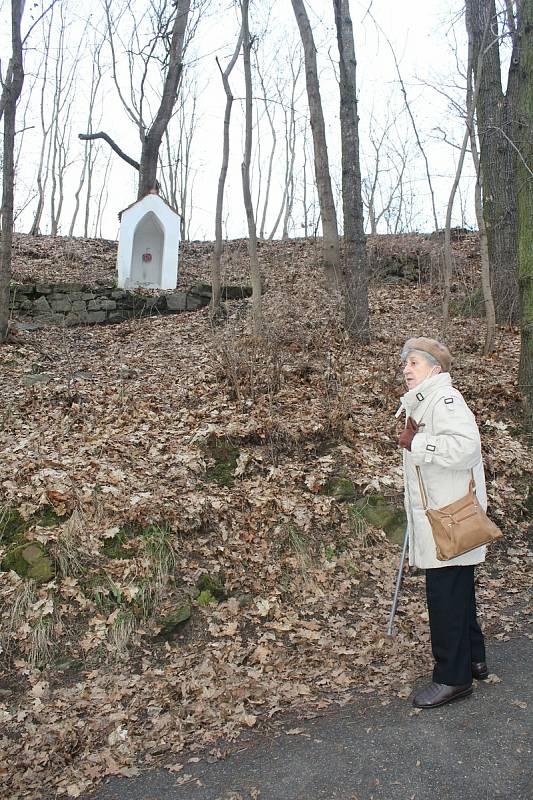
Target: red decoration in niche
<point>147,257</point>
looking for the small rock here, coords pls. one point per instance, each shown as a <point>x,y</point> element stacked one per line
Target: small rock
<point>174,621</point>
<point>29,560</point>
<point>213,585</point>
<point>39,377</point>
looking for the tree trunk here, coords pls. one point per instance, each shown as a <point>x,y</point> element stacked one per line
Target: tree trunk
<point>270,118</point>
<point>89,189</point>
<point>10,94</point>
<point>245,169</point>
<point>78,192</point>
<point>285,181</point>
<point>102,200</point>
<point>471,100</point>
<point>188,127</point>
<point>330,242</point>
<point>96,77</point>
<point>355,257</point>
<point>494,121</point>
<point>524,185</point>
<point>258,162</point>
<point>216,282</point>
<point>304,184</point>
<point>471,97</point>
<point>291,148</point>
<point>45,130</point>
<point>152,138</point>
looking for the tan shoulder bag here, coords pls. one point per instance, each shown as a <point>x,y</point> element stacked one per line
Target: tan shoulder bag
<point>460,526</point>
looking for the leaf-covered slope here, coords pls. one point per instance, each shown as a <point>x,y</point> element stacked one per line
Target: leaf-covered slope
<point>171,449</point>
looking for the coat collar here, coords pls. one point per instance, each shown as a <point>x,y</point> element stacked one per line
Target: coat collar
<point>418,394</point>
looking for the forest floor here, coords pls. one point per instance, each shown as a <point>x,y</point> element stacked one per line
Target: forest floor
<point>173,468</point>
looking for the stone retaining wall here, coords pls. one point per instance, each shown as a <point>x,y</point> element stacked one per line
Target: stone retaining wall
<point>45,304</point>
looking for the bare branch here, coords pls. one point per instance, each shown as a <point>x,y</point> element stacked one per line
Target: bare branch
<point>411,117</point>
<point>101,135</point>
<point>36,22</point>
<point>131,112</point>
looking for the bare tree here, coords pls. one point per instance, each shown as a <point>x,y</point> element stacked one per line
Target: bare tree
<point>57,73</point>
<point>245,170</point>
<point>102,200</point>
<point>289,115</point>
<point>304,184</point>
<point>175,168</point>
<point>357,320</point>
<point>216,282</point>
<point>471,105</point>
<point>495,112</point>
<point>486,288</point>
<point>330,244</point>
<point>308,197</point>
<point>258,161</point>
<point>92,156</point>
<point>291,147</point>
<point>523,137</point>
<point>11,89</point>
<point>412,119</point>
<point>383,189</point>
<point>89,150</point>
<point>46,125</point>
<point>151,141</point>
<point>61,110</point>
<point>25,193</point>
<point>270,113</point>
<point>370,185</point>
<point>151,135</point>
<point>471,98</point>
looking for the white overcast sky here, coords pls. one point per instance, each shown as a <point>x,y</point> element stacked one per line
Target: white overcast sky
<point>422,36</point>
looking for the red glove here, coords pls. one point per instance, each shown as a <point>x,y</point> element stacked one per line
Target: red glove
<point>407,435</point>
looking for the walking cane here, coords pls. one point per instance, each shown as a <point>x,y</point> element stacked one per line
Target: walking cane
<point>398,583</point>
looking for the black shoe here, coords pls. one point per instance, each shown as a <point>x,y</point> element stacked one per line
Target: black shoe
<point>440,693</point>
<point>480,671</point>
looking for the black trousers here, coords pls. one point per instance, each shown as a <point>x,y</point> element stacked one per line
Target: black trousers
<point>456,638</point>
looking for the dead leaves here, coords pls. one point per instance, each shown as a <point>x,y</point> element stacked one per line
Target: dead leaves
<point>307,597</point>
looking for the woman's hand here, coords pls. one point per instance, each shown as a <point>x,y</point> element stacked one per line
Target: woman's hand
<point>409,433</point>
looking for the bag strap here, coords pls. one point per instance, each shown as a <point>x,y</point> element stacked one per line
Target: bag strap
<point>422,489</point>
<point>423,492</point>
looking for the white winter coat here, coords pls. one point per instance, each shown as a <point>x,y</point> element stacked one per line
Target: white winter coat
<point>446,448</point>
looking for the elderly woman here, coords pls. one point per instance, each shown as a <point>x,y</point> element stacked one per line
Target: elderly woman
<point>442,439</point>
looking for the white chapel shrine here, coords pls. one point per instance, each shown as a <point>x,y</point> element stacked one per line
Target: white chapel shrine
<point>148,245</point>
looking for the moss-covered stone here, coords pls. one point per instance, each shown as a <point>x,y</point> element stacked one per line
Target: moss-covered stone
<point>205,598</point>
<point>382,514</point>
<point>172,623</point>
<point>215,586</point>
<point>342,489</point>
<point>395,529</point>
<point>29,560</point>
<point>225,457</point>
<point>12,525</point>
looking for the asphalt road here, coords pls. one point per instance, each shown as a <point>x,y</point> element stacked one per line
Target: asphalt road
<point>478,748</point>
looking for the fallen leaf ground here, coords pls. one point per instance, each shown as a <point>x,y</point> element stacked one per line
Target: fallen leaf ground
<point>194,450</point>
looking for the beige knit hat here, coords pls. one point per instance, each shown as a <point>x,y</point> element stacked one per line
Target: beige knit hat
<point>431,346</point>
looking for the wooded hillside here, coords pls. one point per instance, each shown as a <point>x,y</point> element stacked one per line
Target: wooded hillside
<point>210,508</point>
